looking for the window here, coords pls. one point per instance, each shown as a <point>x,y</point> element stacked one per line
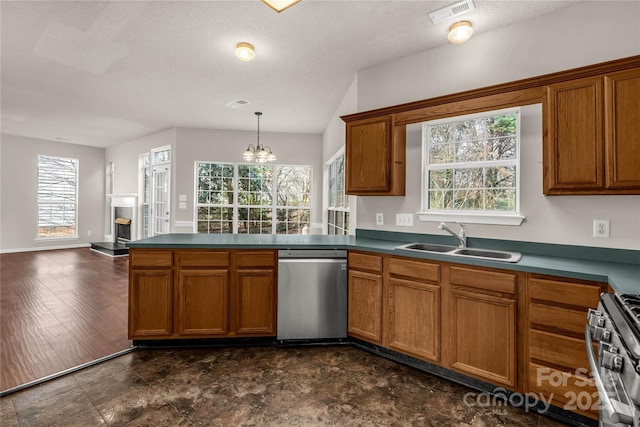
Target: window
<point>57,197</point>
<point>338,209</point>
<point>252,199</point>
<point>293,204</point>
<point>214,197</point>
<point>471,168</point>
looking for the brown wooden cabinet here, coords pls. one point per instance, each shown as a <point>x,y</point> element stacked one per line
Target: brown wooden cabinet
<point>150,293</point>
<point>202,297</point>
<point>201,293</point>
<point>375,152</point>
<point>622,126</point>
<point>556,357</point>
<point>255,293</point>
<point>414,308</point>
<point>365,292</point>
<point>591,128</point>
<point>483,324</point>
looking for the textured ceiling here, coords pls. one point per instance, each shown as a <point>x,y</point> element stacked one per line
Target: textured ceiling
<point>101,73</point>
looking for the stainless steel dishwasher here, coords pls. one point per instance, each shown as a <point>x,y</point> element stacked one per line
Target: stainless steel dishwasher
<point>312,294</point>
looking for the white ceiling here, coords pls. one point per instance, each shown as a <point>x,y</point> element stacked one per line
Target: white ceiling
<point>100,73</point>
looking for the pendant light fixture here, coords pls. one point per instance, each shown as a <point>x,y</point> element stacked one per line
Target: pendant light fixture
<point>259,152</point>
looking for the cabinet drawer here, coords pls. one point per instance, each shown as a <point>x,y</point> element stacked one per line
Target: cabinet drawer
<point>365,261</point>
<point>576,294</point>
<point>255,258</point>
<point>482,279</point>
<point>558,350</point>
<point>203,258</point>
<point>573,390</point>
<point>150,258</point>
<point>416,269</point>
<point>563,319</point>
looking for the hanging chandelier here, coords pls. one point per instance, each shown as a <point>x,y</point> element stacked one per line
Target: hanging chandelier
<point>259,152</point>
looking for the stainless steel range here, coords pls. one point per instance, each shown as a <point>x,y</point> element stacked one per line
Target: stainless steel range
<point>615,325</point>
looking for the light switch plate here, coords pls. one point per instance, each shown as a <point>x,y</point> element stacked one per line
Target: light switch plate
<point>182,197</point>
<point>182,205</point>
<point>404,220</point>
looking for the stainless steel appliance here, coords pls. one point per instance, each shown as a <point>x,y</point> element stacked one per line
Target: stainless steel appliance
<point>312,294</point>
<point>616,367</point>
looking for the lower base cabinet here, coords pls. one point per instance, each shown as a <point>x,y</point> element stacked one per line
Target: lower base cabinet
<point>413,308</point>
<point>557,363</point>
<point>483,336</point>
<point>255,304</point>
<point>151,293</point>
<point>203,302</point>
<point>364,297</point>
<point>201,293</point>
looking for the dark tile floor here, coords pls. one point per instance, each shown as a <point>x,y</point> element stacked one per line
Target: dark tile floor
<point>253,386</point>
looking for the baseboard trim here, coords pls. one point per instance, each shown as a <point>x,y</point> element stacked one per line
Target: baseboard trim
<point>45,248</point>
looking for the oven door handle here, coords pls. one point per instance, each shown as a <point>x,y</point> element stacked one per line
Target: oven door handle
<point>606,403</point>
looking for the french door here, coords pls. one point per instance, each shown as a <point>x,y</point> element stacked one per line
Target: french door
<point>160,194</point>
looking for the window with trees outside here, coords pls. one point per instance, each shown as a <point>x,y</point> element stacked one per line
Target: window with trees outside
<point>338,209</point>
<point>57,197</point>
<point>252,199</point>
<point>471,165</point>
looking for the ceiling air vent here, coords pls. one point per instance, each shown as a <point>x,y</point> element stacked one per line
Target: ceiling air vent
<point>237,103</point>
<point>441,15</point>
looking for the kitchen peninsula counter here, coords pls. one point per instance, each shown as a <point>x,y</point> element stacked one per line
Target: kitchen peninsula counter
<point>619,268</point>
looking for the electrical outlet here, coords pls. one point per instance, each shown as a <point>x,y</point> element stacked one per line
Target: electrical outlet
<point>89,233</point>
<point>404,220</point>
<point>379,219</point>
<point>601,228</point>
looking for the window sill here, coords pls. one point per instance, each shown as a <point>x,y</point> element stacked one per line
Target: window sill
<point>473,217</point>
<point>53,239</point>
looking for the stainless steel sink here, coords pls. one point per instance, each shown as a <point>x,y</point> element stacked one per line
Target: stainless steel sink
<point>427,247</point>
<point>488,254</point>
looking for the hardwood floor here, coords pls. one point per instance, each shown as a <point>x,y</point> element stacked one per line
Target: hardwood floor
<point>59,309</point>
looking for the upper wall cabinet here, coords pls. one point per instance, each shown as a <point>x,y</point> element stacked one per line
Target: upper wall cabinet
<point>592,135</point>
<point>622,127</point>
<point>375,157</point>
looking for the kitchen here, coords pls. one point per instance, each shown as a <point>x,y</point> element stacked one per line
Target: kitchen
<point>559,38</point>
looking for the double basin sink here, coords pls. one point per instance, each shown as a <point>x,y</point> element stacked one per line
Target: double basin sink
<point>478,253</point>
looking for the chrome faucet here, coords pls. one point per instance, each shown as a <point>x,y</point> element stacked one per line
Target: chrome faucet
<point>461,236</point>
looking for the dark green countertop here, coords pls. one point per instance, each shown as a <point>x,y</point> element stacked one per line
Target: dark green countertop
<point>588,264</point>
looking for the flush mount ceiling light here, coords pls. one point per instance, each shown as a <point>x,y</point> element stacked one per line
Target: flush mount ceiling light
<point>259,153</point>
<point>245,52</point>
<point>460,32</point>
<point>280,5</point>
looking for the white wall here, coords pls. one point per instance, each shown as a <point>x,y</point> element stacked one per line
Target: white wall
<point>333,141</point>
<point>584,34</point>
<point>212,145</point>
<point>189,145</point>
<point>18,198</point>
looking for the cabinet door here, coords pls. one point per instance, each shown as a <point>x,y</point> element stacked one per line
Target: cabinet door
<point>375,157</point>
<point>255,302</point>
<point>150,303</point>
<point>203,302</point>
<point>414,318</point>
<point>484,336</point>
<point>622,124</point>
<point>365,306</point>
<point>573,136</point>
